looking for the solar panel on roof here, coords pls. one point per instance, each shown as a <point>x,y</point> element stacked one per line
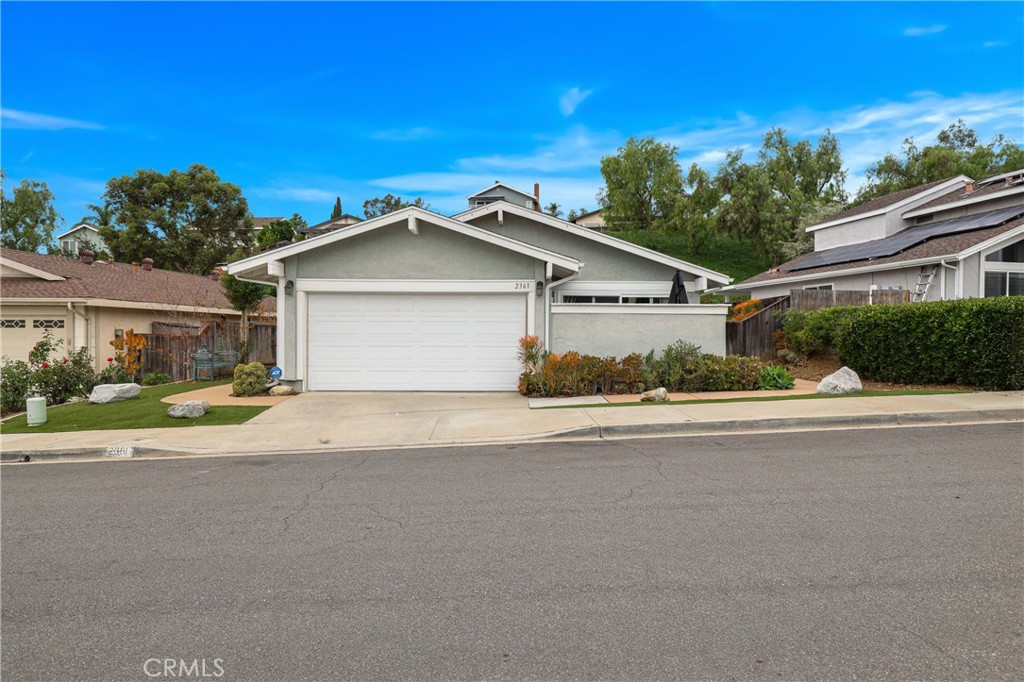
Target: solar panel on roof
<point>890,246</point>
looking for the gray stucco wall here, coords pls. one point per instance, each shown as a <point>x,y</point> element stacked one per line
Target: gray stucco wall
<point>582,329</point>
<point>391,253</point>
<point>601,262</point>
<point>903,278</point>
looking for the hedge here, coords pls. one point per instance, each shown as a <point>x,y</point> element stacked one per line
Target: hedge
<point>978,341</point>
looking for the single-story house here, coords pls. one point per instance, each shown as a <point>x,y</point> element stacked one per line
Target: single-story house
<point>593,219</point>
<point>81,236</point>
<point>87,302</point>
<point>414,300</point>
<point>951,239</point>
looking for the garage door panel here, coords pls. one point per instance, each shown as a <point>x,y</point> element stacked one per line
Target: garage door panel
<point>437,342</point>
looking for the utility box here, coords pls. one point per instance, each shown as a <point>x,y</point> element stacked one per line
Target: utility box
<point>36,408</point>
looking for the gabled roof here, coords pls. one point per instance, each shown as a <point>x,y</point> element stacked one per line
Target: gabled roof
<point>905,198</point>
<point>249,267</point>
<point>501,184</point>
<point>260,223</point>
<point>599,237</point>
<point>77,227</point>
<point>951,247</point>
<point>71,280</point>
<point>596,211</point>
<point>330,224</point>
<point>988,189</point>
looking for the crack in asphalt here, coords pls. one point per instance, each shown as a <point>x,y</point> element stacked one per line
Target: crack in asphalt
<point>319,489</point>
<point>657,468</point>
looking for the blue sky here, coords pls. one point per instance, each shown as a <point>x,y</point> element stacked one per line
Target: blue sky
<point>297,103</point>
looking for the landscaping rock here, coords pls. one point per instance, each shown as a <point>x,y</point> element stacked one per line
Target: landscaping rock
<point>282,390</point>
<point>843,380</point>
<point>191,409</point>
<point>112,393</point>
<point>655,396</point>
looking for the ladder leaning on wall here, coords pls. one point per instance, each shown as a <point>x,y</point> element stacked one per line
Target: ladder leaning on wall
<point>924,282</point>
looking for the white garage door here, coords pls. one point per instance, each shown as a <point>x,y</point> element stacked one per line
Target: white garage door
<point>414,342</point>
<point>19,333</point>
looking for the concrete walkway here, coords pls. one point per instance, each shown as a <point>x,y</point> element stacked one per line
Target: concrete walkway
<point>313,422</point>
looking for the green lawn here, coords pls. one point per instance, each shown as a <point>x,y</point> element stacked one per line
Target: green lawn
<point>144,412</point>
<point>723,254</point>
<point>767,398</point>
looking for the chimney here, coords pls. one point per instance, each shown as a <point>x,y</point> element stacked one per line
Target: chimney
<point>86,257</point>
<point>147,264</point>
<point>215,274</point>
<point>968,186</point>
<point>536,196</point>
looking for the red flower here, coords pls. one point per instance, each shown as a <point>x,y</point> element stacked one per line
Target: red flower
<point>65,360</point>
<point>110,359</point>
<point>46,364</point>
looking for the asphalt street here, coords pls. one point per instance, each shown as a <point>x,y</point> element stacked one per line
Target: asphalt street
<point>869,554</point>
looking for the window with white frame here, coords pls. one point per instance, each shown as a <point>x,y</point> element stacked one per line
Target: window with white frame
<point>818,287</point>
<point>614,292</point>
<point>1003,271</point>
<point>69,245</point>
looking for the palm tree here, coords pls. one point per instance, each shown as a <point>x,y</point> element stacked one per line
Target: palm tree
<point>553,209</point>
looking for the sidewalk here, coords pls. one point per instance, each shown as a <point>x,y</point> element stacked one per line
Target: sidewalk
<point>321,422</point>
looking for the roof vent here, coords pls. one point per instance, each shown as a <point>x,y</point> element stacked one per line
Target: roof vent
<point>86,256</point>
<point>968,187</point>
<point>147,264</point>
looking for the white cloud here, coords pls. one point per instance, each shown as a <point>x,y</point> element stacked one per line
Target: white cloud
<point>576,148</point>
<point>13,118</point>
<point>296,193</point>
<point>914,31</point>
<point>993,43</point>
<point>571,99</point>
<point>405,135</point>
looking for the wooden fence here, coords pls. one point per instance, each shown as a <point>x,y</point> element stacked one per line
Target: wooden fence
<point>812,299</point>
<point>169,349</point>
<point>753,336</point>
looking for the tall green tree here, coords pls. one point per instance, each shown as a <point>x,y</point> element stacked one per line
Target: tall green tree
<point>390,203</point>
<point>27,218</point>
<point>101,216</point>
<point>642,183</point>
<point>553,210</point>
<point>956,151</point>
<point>280,231</point>
<point>695,213</point>
<point>765,201</point>
<point>575,213</point>
<point>244,297</point>
<point>184,220</point>
<point>336,213</point>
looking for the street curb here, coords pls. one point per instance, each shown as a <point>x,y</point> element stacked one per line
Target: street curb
<point>738,426</point>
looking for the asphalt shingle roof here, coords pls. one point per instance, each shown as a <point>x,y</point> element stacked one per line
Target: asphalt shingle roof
<point>884,201</point>
<point>933,248</point>
<point>114,281</point>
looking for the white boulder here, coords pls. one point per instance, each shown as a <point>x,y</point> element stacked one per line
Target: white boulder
<point>282,390</point>
<point>190,409</point>
<point>655,396</point>
<point>843,380</point>
<point>112,393</point>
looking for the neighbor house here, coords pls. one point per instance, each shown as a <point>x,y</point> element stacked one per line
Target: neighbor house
<point>414,300</point>
<point>593,219</point>
<point>499,191</point>
<point>87,302</point>
<point>956,238</point>
<point>344,220</point>
<point>80,237</point>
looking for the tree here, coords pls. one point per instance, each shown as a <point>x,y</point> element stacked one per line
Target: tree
<point>553,210</point>
<point>390,203</point>
<point>280,231</point>
<point>245,297</point>
<point>956,151</point>
<point>695,213</point>
<point>764,202</point>
<point>28,218</point>
<point>187,221</point>
<point>642,184</point>
<point>575,213</point>
<point>336,213</point>
<point>102,216</point>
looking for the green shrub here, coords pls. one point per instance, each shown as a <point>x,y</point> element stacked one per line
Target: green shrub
<point>114,373</point>
<point>775,378</point>
<point>56,376</point>
<point>731,373</point>
<point>156,378</point>
<point>15,384</point>
<point>680,367</point>
<point>250,379</point>
<point>979,342</point>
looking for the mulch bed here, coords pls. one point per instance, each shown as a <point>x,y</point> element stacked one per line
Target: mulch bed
<point>819,367</point>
